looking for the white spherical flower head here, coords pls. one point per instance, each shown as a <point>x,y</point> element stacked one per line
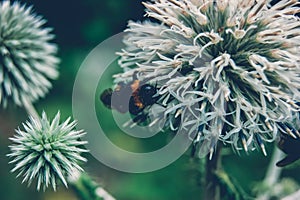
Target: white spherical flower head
<point>47,151</point>
<point>226,70</point>
<point>27,59</point>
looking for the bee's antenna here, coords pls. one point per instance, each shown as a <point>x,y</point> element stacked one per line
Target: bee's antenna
<point>135,76</point>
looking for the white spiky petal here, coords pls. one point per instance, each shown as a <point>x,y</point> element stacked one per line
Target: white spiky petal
<point>47,151</point>
<point>27,60</point>
<point>228,68</point>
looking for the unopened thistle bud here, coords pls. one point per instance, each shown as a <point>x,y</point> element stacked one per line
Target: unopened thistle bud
<point>47,151</point>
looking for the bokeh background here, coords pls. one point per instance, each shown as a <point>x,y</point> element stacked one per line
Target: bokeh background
<point>79,26</point>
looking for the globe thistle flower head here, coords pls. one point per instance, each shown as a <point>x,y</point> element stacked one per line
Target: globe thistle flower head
<point>227,70</point>
<point>27,59</point>
<point>47,151</point>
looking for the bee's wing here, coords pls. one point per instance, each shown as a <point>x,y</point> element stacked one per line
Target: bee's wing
<point>287,160</point>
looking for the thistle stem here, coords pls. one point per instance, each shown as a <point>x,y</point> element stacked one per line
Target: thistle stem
<point>272,174</point>
<point>213,189</point>
<point>86,188</point>
<point>30,109</point>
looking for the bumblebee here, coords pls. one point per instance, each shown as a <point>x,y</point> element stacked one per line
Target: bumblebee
<point>131,97</point>
<point>290,146</point>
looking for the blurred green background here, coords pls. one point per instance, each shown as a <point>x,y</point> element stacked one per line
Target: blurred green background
<point>79,26</point>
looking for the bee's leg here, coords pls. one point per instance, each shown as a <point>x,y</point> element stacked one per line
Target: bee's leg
<point>194,148</point>
<point>140,118</point>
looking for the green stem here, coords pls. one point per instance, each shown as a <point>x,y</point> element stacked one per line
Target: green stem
<point>86,188</point>
<point>196,169</point>
<point>80,190</point>
<point>272,174</point>
<point>213,190</point>
<point>31,110</point>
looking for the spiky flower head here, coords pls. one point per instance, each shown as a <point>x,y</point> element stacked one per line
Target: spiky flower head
<point>47,151</point>
<point>27,60</point>
<point>227,70</point>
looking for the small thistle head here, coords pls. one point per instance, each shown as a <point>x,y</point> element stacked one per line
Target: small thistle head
<point>227,70</point>
<point>47,151</point>
<point>27,59</point>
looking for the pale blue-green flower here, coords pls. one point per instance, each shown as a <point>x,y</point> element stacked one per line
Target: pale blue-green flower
<point>227,70</point>
<point>27,59</point>
<point>47,151</point>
